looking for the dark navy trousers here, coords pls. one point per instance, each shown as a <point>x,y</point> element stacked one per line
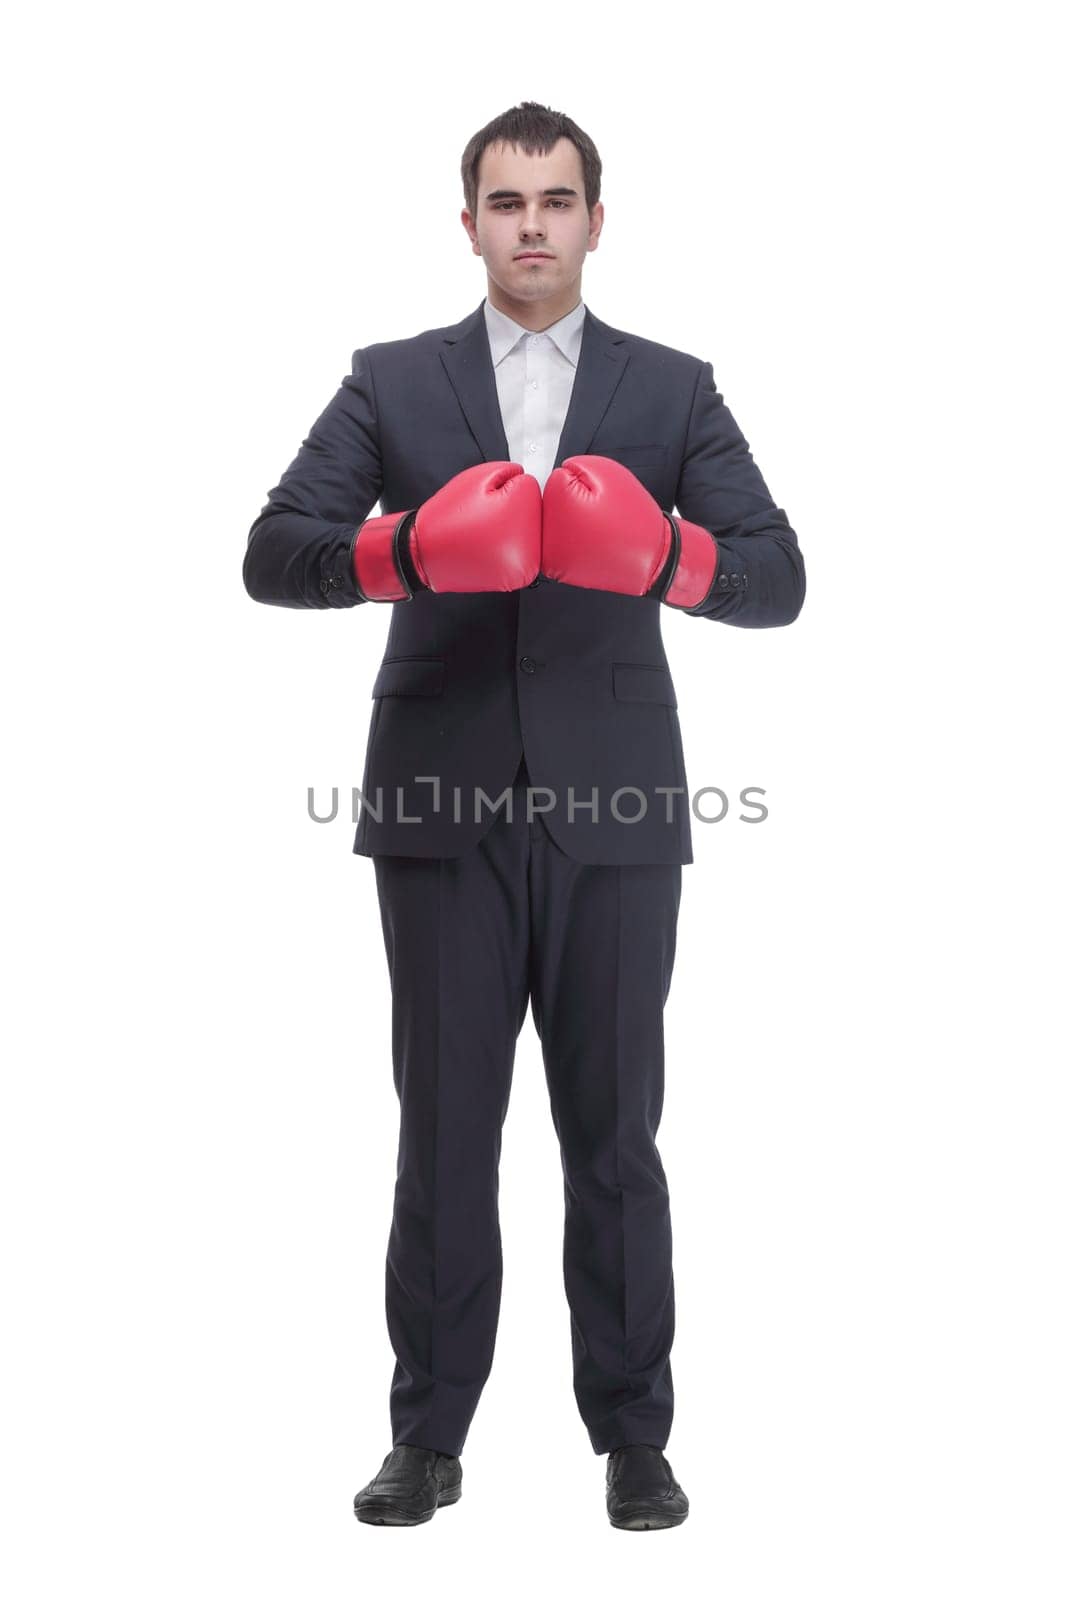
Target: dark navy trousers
<point>469,941</point>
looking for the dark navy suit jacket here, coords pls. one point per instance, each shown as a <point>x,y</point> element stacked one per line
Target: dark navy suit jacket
<point>576,678</point>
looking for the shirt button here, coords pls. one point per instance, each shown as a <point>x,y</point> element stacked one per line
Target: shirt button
<point>527,663</point>
<point>532,447</point>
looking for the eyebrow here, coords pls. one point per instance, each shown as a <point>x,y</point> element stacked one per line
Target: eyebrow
<point>516,194</point>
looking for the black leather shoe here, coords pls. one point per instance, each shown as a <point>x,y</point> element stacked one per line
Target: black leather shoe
<point>410,1486</point>
<point>642,1490</point>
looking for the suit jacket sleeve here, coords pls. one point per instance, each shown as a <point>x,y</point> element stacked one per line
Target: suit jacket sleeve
<point>759,579</point>
<point>300,546</point>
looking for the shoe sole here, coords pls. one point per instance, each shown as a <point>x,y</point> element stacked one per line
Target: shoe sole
<point>391,1514</point>
<point>647,1518</point>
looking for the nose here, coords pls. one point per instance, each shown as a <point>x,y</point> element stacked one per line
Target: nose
<point>531,224</point>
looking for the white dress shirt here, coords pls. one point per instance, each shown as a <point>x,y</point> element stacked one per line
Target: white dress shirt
<point>534,379</point>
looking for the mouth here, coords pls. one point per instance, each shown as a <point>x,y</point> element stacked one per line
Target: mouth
<point>534,255</point>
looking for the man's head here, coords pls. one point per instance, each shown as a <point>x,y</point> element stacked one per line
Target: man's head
<point>531,181</point>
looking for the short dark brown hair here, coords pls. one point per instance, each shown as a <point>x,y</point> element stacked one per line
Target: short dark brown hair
<point>535,130</point>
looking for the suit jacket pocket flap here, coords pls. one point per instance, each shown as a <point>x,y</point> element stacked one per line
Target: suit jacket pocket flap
<point>634,681</point>
<point>409,675</point>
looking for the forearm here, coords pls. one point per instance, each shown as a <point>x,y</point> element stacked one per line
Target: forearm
<point>759,577</point>
<point>294,559</point>
<point>300,546</point>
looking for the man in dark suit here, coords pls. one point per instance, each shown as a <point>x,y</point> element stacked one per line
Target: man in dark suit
<point>524,797</point>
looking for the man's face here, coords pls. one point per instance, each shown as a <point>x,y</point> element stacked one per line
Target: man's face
<point>518,213</point>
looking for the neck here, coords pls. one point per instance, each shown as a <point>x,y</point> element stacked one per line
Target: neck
<point>534,318</point>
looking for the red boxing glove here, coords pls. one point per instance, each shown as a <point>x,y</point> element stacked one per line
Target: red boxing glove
<point>601,529</point>
<point>481,531</point>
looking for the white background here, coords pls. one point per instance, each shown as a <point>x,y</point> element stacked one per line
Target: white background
<point>850,212</point>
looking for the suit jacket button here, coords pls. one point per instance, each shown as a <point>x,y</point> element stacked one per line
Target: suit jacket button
<point>528,664</point>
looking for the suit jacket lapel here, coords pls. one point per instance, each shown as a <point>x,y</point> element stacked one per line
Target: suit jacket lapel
<point>469,364</point>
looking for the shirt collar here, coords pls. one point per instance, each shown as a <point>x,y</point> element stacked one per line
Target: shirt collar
<point>504,332</point>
